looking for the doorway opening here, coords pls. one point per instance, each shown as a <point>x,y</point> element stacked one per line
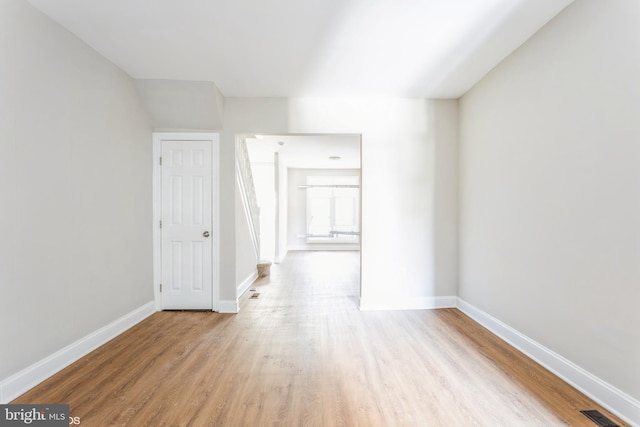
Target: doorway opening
<point>308,189</point>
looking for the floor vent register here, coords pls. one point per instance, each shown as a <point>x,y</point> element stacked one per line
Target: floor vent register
<point>599,419</point>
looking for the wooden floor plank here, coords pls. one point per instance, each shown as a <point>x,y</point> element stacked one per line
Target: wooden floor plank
<point>302,354</point>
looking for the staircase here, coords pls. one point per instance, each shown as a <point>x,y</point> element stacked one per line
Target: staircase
<point>248,192</point>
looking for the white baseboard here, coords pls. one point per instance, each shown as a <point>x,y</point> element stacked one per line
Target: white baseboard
<point>246,283</point>
<point>23,381</point>
<point>424,303</point>
<point>229,306</point>
<point>616,401</point>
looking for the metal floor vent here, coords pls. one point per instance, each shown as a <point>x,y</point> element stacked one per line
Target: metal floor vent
<point>599,419</point>
<point>255,295</point>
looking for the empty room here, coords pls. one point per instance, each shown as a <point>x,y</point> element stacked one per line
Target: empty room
<point>461,247</point>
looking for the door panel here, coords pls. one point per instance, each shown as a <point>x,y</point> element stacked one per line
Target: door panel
<point>187,218</point>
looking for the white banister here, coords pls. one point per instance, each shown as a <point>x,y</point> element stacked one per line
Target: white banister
<point>248,192</point>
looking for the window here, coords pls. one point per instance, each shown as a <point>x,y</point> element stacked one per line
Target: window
<point>333,209</point>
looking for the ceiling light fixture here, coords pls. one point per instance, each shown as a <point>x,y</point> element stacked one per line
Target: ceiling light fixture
<point>334,157</point>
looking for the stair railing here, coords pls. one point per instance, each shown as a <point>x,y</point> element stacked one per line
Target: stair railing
<point>248,192</point>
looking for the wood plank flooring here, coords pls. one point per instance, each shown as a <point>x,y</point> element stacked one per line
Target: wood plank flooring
<point>302,354</point>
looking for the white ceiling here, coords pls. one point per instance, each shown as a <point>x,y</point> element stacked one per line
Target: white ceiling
<point>307,151</point>
<point>288,48</point>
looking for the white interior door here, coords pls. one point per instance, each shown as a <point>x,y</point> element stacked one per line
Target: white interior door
<point>186,225</point>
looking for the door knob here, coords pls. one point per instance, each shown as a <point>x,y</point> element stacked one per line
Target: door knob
<point>206,234</point>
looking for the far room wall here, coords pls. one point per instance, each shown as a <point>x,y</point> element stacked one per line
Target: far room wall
<point>297,209</point>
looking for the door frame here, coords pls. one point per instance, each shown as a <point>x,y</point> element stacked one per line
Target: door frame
<point>158,137</point>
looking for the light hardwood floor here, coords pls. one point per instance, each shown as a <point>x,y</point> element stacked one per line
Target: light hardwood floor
<point>302,354</point>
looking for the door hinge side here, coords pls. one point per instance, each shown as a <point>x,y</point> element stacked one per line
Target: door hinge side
<point>160,223</point>
<point>160,287</point>
<point>160,160</point>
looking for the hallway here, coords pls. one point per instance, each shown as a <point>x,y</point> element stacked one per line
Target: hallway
<point>301,353</point>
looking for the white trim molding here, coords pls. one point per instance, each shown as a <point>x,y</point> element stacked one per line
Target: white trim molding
<point>229,306</point>
<point>246,283</point>
<point>420,303</point>
<point>616,401</point>
<point>21,382</point>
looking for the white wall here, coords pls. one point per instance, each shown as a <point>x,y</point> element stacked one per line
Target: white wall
<point>550,190</point>
<point>444,123</point>
<point>179,105</point>
<point>264,180</point>
<point>75,190</point>
<point>399,140</point>
<point>297,210</point>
